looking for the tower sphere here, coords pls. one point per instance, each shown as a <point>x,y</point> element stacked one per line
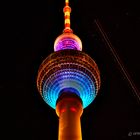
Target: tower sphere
<point>68,70</point>
<point>67,41</point>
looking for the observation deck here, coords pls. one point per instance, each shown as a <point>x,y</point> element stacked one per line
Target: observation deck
<point>68,70</point>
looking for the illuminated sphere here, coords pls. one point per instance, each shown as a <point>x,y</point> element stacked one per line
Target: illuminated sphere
<point>70,70</point>
<point>67,41</point>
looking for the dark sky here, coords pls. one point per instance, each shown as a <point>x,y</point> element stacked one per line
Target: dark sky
<point>30,30</point>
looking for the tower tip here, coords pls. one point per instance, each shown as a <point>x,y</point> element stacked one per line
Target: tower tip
<point>67,11</point>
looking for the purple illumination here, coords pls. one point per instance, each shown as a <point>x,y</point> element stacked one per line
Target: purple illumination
<point>68,41</point>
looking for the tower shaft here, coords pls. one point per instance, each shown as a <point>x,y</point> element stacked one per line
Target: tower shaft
<point>69,109</point>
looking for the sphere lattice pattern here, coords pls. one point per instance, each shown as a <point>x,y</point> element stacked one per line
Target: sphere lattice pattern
<point>68,69</point>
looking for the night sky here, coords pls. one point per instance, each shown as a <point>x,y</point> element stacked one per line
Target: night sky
<point>30,30</point>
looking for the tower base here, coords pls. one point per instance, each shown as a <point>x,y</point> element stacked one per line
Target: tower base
<point>69,110</point>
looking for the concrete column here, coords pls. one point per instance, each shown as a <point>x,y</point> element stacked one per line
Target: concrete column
<point>69,109</point>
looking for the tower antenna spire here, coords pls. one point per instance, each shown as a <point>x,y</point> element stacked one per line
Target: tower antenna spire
<point>67,11</point>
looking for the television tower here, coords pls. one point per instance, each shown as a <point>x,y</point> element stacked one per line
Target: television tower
<point>68,80</point>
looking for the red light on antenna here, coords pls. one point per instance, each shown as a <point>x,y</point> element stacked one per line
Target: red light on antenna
<point>73,109</point>
<point>62,110</point>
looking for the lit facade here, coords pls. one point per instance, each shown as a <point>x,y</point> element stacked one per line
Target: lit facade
<point>68,80</point>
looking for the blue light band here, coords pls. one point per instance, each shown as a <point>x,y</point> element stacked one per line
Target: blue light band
<point>68,78</point>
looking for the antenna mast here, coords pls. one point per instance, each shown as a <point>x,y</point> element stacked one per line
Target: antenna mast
<point>67,11</point>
